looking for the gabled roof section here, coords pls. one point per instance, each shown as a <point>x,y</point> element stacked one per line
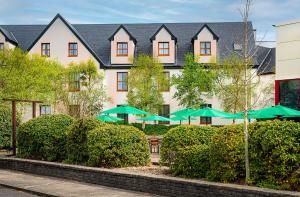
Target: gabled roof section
<point>111,38</point>
<point>209,29</point>
<point>266,60</point>
<point>167,29</point>
<point>73,30</point>
<point>9,37</point>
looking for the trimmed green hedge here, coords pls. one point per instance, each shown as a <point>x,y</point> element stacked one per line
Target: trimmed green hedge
<point>5,126</point>
<point>182,137</point>
<point>44,138</point>
<point>118,146</point>
<point>77,151</point>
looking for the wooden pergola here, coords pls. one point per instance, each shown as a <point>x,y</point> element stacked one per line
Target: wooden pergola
<point>14,117</point>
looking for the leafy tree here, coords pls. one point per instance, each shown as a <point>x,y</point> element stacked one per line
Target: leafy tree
<point>25,76</point>
<point>81,84</point>
<point>145,82</point>
<point>194,84</point>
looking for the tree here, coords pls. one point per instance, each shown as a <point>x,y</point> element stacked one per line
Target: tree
<point>146,79</point>
<point>82,85</point>
<point>24,76</point>
<point>194,84</point>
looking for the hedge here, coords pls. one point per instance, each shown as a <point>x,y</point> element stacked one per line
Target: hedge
<point>77,151</point>
<point>117,146</point>
<point>43,138</point>
<point>181,137</point>
<point>5,126</point>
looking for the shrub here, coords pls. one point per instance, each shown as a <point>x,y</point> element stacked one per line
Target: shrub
<point>181,137</point>
<point>275,154</point>
<point>77,151</point>
<point>5,126</point>
<point>192,161</point>
<point>227,154</point>
<point>43,138</point>
<point>118,146</point>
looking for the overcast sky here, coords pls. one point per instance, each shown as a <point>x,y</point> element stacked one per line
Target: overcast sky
<point>264,14</point>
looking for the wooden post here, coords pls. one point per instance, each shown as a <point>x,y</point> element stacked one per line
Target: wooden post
<point>33,109</point>
<point>14,126</point>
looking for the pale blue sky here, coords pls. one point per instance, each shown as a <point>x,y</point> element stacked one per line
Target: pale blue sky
<point>264,13</point>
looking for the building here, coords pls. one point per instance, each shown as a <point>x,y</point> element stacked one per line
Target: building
<point>112,46</point>
<point>288,64</point>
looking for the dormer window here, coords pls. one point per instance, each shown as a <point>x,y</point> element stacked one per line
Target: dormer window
<point>122,49</point>
<point>163,49</point>
<point>205,48</point>
<point>237,47</point>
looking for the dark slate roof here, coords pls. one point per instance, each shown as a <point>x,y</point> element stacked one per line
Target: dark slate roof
<point>9,36</point>
<point>266,60</point>
<point>96,36</point>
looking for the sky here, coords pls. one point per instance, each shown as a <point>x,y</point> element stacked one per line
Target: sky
<point>264,13</point>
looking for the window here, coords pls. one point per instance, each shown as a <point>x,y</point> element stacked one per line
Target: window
<point>203,119</point>
<point>237,47</point>
<point>45,49</point>
<point>1,46</point>
<point>205,48</point>
<point>73,49</point>
<point>165,112</point>
<point>163,49</point>
<point>166,87</point>
<point>74,82</point>
<point>74,111</point>
<point>122,81</point>
<point>45,110</point>
<point>289,93</point>
<point>122,49</point>
<point>123,116</point>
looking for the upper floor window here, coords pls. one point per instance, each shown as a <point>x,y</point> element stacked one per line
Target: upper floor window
<point>1,46</point>
<point>73,49</point>
<point>205,48</point>
<point>163,49</point>
<point>122,81</point>
<point>237,47</point>
<point>45,110</point>
<point>166,87</point>
<point>74,82</point>
<point>45,49</point>
<point>122,49</point>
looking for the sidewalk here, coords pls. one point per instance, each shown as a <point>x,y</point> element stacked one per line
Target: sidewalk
<point>48,186</point>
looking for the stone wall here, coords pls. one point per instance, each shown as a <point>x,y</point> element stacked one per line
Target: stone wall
<point>160,185</point>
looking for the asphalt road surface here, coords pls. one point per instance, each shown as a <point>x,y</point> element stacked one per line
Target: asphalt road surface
<point>6,192</point>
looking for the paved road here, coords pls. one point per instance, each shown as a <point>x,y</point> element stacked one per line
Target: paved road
<point>5,192</point>
<point>59,187</point>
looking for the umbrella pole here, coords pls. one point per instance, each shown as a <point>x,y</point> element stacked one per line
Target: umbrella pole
<point>180,122</point>
<point>189,120</point>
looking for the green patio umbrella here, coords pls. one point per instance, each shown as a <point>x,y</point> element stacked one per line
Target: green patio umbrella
<point>278,110</point>
<point>107,118</point>
<point>210,112</point>
<point>184,112</point>
<point>155,118</point>
<point>252,114</point>
<point>124,109</point>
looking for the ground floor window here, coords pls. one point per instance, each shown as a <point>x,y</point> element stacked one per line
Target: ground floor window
<point>203,119</point>
<point>165,112</point>
<point>74,110</point>
<point>287,93</point>
<point>45,110</point>
<point>123,116</point>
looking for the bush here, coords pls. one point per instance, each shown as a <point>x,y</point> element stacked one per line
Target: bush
<point>43,138</point>
<point>275,154</point>
<point>118,146</point>
<point>181,137</point>
<point>227,154</point>
<point>77,151</point>
<point>5,126</point>
<point>192,161</point>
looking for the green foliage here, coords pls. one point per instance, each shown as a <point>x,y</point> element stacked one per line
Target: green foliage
<point>192,161</point>
<point>43,138</point>
<point>145,80</point>
<point>5,126</point>
<point>181,137</point>
<point>152,129</point>
<point>195,83</point>
<point>27,76</point>
<point>275,154</point>
<point>227,154</point>
<point>118,146</point>
<point>77,151</point>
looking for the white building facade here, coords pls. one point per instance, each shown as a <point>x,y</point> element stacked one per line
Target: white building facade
<point>113,47</point>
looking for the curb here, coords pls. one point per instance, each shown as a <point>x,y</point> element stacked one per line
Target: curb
<point>27,190</point>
